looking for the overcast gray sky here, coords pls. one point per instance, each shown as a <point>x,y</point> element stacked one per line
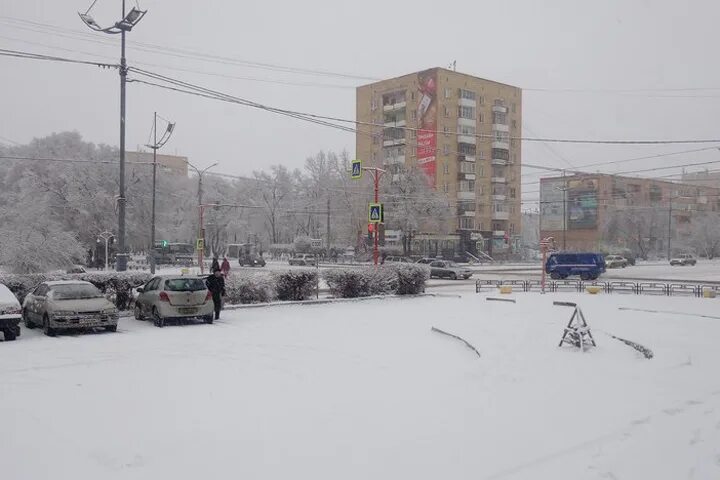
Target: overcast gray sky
<point>650,45</point>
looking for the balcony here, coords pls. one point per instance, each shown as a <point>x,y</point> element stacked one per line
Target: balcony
<point>466,102</point>
<point>467,139</point>
<point>393,142</point>
<point>499,162</point>
<point>501,145</point>
<point>499,109</point>
<point>466,195</point>
<point>503,215</point>
<point>395,123</point>
<point>398,160</point>
<point>499,233</point>
<point>498,180</point>
<point>467,122</point>
<point>498,127</point>
<point>466,176</point>
<point>500,197</point>
<point>394,106</point>
<point>466,158</point>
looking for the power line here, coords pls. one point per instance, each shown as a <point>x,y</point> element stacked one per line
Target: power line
<point>37,56</point>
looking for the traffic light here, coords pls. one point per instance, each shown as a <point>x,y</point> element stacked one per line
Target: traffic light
<point>163,243</point>
<point>111,240</point>
<point>371,228</point>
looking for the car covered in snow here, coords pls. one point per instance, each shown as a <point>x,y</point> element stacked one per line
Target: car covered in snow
<point>396,259</point>
<point>615,261</point>
<point>174,298</point>
<point>10,314</point>
<point>69,304</point>
<point>448,269</point>
<point>303,259</point>
<point>683,259</point>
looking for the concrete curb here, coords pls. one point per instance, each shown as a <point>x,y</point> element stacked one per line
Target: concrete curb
<point>323,301</point>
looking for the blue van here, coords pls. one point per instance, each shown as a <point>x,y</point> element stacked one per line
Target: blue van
<point>588,266</point>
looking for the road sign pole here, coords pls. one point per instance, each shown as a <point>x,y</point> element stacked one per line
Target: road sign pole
<point>376,252</point>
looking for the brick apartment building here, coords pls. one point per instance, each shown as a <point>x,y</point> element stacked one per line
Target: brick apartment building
<point>461,132</point>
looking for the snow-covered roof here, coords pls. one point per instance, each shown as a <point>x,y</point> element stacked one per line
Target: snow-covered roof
<point>67,282</point>
<point>7,297</point>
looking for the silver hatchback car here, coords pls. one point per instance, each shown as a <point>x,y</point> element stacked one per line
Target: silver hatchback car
<point>174,298</point>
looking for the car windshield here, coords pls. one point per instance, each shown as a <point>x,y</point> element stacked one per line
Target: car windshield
<point>74,292</point>
<point>184,285</point>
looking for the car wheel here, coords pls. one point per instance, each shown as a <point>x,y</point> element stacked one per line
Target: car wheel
<point>26,318</point>
<point>157,319</point>
<point>555,276</point>
<point>138,312</point>
<point>9,334</point>
<point>208,319</point>
<point>47,330</point>
<point>584,276</point>
<point>453,276</point>
<point>111,328</point>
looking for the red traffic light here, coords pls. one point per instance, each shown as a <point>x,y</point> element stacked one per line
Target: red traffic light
<point>371,227</point>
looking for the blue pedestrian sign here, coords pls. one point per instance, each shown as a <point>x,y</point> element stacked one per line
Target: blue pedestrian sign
<point>375,213</point>
<point>356,169</point>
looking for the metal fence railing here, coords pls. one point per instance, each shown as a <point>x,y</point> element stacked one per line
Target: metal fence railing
<point>675,289</point>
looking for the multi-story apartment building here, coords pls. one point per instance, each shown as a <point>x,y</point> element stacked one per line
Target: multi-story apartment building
<point>167,164</point>
<point>578,211</point>
<point>463,133</point>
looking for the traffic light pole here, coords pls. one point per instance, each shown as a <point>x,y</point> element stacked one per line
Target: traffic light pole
<point>376,174</point>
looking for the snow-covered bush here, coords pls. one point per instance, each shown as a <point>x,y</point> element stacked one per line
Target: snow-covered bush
<point>386,280</point>
<point>255,288</point>
<point>295,284</point>
<point>117,284</point>
<point>411,278</point>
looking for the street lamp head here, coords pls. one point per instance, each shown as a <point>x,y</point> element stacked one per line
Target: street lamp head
<point>131,19</point>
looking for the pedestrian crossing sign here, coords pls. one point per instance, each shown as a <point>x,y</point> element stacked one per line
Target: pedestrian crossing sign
<point>200,244</point>
<point>376,213</point>
<point>356,169</point>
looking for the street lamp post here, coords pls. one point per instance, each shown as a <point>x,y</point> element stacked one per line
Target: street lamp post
<point>106,236</point>
<point>127,23</point>
<point>201,229</point>
<point>155,146</point>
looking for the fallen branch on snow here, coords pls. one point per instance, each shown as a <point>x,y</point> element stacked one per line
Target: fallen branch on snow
<point>495,299</point>
<point>640,348</point>
<point>666,311</point>
<point>458,338</point>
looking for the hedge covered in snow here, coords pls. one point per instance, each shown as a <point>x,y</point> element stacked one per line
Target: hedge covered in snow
<point>117,284</point>
<point>254,288</point>
<point>408,279</point>
<point>295,284</point>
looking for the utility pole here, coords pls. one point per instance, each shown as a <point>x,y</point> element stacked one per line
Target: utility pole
<point>669,249</point>
<point>201,228</point>
<point>327,248</point>
<point>127,23</point>
<point>155,146</point>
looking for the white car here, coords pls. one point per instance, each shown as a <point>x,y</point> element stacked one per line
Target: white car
<point>66,305</point>
<point>10,314</point>
<point>174,298</point>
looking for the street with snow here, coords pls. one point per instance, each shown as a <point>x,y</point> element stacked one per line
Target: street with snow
<point>365,389</point>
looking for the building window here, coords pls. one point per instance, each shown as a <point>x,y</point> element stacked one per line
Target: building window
<point>448,92</point>
<point>480,190</point>
<point>514,124</point>
<point>467,223</point>
<point>446,111</point>
<point>501,136</point>
<point>467,167</point>
<point>376,140</point>
<point>480,226</point>
<point>414,133</point>
<point>512,227</point>
<point>499,118</point>
<point>373,104</point>
<point>514,108</point>
<point>482,100</point>
<point>445,188</point>
<point>466,112</point>
<point>374,157</point>
<point>446,150</point>
<point>466,94</point>
<point>512,193</point>
<point>466,149</point>
<point>414,114</point>
<point>481,155</point>
<point>481,118</point>
<point>446,168</point>
<point>446,130</point>
<point>466,186</point>
<point>466,130</point>
<point>481,171</point>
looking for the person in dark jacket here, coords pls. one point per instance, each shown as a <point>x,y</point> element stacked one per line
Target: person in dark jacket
<point>215,264</point>
<point>225,267</point>
<point>216,284</point>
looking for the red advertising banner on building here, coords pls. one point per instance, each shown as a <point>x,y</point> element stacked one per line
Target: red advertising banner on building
<point>427,123</point>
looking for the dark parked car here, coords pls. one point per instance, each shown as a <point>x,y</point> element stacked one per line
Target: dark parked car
<point>588,266</point>
<point>10,314</point>
<point>303,259</point>
<point>448,269</point>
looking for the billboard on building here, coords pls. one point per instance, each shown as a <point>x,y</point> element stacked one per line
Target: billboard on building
<point>551,204</point>
<point>427,124</point>
<point>582,207</point>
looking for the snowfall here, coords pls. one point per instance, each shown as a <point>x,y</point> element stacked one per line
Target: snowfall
<point>366,390</point>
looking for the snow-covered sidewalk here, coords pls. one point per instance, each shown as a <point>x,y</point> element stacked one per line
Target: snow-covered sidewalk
<point>366,390</point>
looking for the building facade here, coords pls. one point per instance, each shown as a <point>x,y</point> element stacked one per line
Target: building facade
<point>167,164</point>
<point>463,133</point>
<point>598,211</point>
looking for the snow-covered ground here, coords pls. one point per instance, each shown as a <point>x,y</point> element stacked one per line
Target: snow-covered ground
<point>366,390</point>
